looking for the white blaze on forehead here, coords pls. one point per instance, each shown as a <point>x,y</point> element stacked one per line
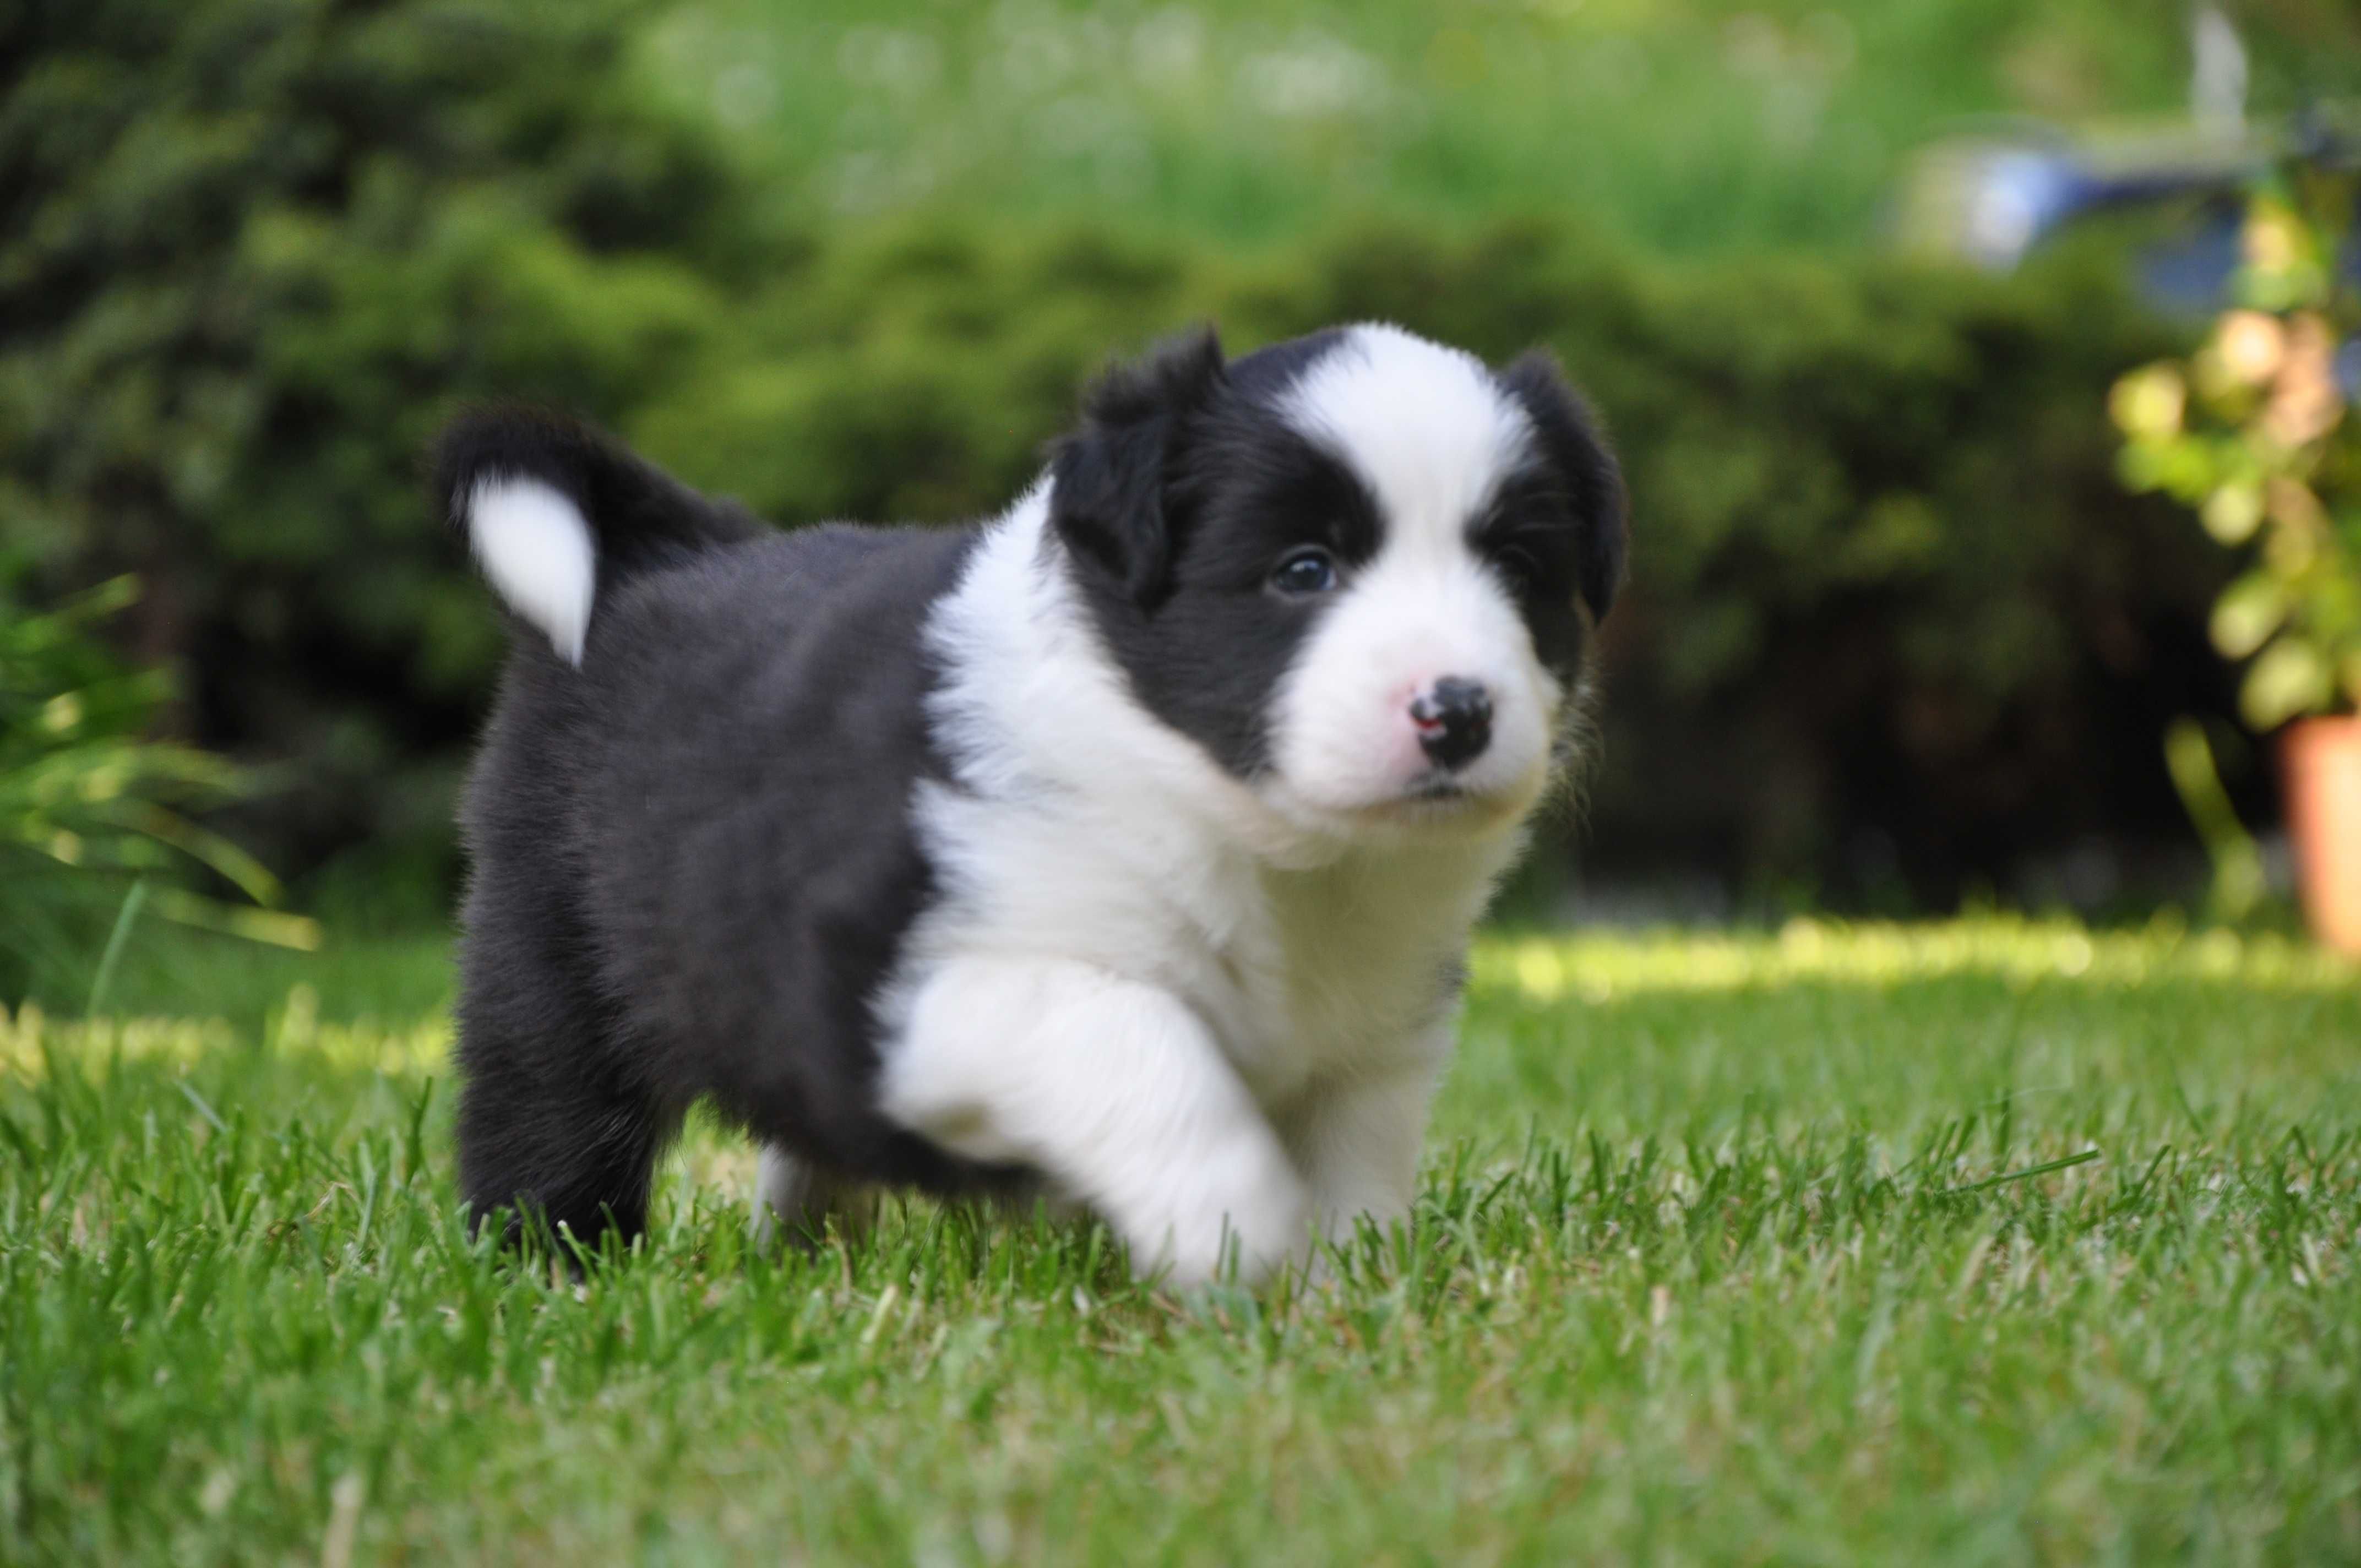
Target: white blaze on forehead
<point>1425,427</point>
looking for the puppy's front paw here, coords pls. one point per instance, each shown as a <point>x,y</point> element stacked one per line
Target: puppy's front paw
<point>1249,1208</point>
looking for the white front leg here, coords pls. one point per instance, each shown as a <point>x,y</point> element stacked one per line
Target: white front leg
<point>1116,1091</point>
<point>1356,1140</point>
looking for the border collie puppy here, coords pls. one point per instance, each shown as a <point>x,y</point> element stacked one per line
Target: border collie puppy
<point>1122,850</point>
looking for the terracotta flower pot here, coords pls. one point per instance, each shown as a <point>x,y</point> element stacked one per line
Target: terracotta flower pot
<point>2322,758</point>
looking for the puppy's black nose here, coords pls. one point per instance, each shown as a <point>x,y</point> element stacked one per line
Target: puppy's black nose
<point>1455,721</point>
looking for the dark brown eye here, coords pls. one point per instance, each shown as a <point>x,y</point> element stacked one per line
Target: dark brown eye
<point>1304,573</point>
<point>1520,566</point>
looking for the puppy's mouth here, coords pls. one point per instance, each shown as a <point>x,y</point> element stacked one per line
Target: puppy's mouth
<point>1441,799</point>
<point>1434,801</point>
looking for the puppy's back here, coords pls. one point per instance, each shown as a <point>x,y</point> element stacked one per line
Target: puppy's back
<point>716,800</point>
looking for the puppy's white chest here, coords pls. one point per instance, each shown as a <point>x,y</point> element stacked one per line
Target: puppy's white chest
<point>1282,1048</point>
<point>1320,984</point>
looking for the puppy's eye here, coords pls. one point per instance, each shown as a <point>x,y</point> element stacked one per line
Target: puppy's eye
<point>1521,566</point>
<point>1309,570</point>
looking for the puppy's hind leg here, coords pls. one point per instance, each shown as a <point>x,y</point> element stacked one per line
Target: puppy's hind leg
<point>794,1200</point>
<point>555,1140</point>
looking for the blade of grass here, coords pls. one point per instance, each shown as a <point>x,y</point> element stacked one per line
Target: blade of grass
<point>2085,1157</point>
<point>207,1112</point>
<point>114,952</point>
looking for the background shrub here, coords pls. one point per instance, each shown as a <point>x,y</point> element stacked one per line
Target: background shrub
<point>1893,631</point>
<point>251,251</point>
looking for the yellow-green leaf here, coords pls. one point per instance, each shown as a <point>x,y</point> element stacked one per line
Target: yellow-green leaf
<point>2248,611</point>
<point>2289,678</point>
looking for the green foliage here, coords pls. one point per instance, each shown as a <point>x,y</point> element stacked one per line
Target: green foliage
<point>2267,453</point>
<point>252,252</point>
<point>1701,128</point>
<point>89,803</point>
<point>1883,581</point>
<point>1983,1242</point>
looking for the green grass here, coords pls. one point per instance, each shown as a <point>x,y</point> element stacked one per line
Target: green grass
<point>166,969</point>
<point>1686,126</point>
<point>1982,1242</point>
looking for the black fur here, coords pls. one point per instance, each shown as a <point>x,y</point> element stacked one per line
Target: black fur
<point>1110,476</point>
<point>641,516</point>
<point>692,858</point>
<point>1580,477</point>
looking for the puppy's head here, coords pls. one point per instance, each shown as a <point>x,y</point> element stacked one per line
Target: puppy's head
<point>1361,570</point>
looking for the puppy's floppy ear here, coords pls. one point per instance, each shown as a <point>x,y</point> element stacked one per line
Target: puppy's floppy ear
<point>1572,444</point>
<point>1108,499</point>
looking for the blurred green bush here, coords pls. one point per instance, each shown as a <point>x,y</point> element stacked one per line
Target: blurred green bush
<point>1892,622</point>
<point>251,253</point>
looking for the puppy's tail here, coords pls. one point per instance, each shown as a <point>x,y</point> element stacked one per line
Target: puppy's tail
<point>557,514</point>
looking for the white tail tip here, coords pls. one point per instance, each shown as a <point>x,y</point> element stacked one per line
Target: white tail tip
<point>535,548</point>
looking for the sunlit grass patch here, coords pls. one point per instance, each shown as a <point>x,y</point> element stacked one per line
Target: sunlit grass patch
<point>1601,966</point>
<point>33,1044</point>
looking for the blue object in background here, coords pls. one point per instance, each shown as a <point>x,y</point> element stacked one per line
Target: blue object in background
<point>2190,274</point>
<point>1992,199</point>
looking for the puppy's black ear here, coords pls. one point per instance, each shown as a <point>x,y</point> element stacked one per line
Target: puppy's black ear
<point>1108,499</point>
<point>1572,443</point>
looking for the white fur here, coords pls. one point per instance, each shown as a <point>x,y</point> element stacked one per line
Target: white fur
<point>1423,423</point>
<point>537,549</point>
<point>1117,1089</point>
<point>1198,1008</point>
<point>1431,437</point>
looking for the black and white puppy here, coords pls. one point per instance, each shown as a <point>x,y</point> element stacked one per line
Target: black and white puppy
<point>1125,848</point>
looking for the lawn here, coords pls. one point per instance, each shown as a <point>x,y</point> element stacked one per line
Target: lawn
<point>1978,1242</point>
<point>1685,127</point>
